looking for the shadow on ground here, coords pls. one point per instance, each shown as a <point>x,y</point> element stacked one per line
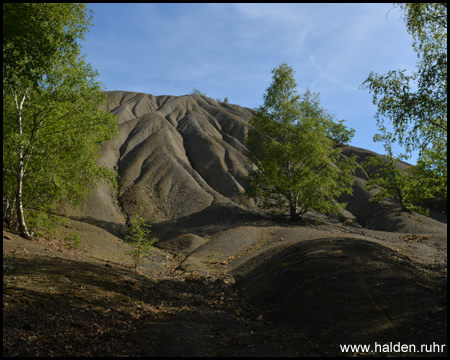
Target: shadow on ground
<point>342,291</point>
<point>63,307</point>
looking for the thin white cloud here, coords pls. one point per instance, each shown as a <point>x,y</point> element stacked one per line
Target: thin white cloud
<point>230,50</point>
<point>265,11</point>
<point>289,21</point>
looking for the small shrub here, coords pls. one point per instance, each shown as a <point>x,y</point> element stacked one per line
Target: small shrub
<point>139,231</point>
<point>213,258</point>
<point>197,92</point>
<point>225,100</point>
<point>74,239</point>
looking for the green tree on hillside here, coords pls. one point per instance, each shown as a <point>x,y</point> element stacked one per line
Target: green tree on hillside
<point>198,92</point>
<point>416,105</point>
<point>296,165</point>
<point>410,187</point>
<point>52,122</point>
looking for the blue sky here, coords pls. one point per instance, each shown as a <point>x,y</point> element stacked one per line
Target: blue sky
<point>229,50</point>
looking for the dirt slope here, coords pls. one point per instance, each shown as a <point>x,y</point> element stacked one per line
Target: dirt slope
<point>183,155</point>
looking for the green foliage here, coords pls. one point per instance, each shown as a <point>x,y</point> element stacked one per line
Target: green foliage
<point>410,187</point>
<point>74,240</point>
<point>197,92</point>
<point>138,233</point>
<point>296,166</point>
<point>335,131</point>
<point>37,35</point>
<point>339,132</point>
<point>45,224</point>
<point>416,104</point>
<point>225,100</point>
<point>52,123</point>
<point>214,257</point>
<point>284,264</point>
<point>427,23</point>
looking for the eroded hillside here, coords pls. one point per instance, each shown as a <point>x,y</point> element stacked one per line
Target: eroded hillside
<point>180,156</point>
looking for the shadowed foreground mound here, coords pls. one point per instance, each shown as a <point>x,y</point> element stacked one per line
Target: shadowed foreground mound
<point>66,303</point>
<point>305,300</point>
<point>346,291</point>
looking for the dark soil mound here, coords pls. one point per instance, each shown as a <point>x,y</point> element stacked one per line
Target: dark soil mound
<point>348,291</point>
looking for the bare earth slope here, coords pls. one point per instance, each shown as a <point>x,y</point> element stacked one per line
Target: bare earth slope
<point>182,155</point>
<point>235,282</point>
<point>177,154</point>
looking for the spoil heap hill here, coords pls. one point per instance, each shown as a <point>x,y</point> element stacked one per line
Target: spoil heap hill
<point>184,156</point>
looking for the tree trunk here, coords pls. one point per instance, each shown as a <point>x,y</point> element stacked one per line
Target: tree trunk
<point>292,197</point>
<point>20,216</point>
<point>294,214</point>
<point>20,174</point>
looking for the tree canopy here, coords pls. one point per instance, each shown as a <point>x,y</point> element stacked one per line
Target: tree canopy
<point>34,34</point>
<point>416,104</point>
<point>297,168</point>
<point>411,187</point>
<point>53,124</point>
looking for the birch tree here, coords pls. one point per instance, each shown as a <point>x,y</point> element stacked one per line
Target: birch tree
<point>415,104</point>
<point>53,124</point>
<point>297,165</point>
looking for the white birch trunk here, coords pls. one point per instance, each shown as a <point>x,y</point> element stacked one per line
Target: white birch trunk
<point>20,173</point>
